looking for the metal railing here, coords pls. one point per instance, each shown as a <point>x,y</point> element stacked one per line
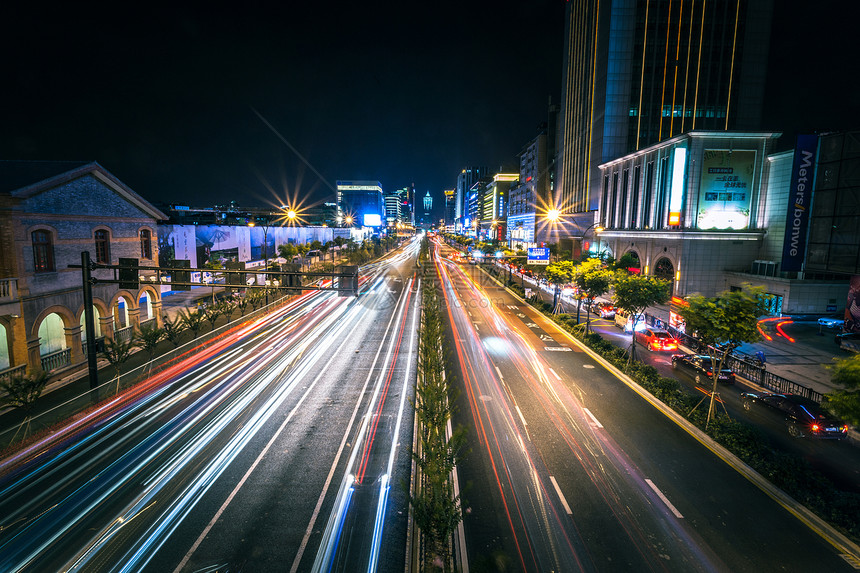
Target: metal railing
<point>57,359</point>
<point>746,367</point>
<point>9,373</point>
<point>111,388</point>
<point>8,290</point>
<point>149,323</point>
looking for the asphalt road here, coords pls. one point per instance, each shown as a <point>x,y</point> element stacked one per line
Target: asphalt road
<point>285,447</point>
<point>571,470</point>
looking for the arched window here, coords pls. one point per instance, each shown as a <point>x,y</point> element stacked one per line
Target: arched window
<point>43,252</point>
<point>102,246</point>
<point>145,244</point>
<point>664,269</point>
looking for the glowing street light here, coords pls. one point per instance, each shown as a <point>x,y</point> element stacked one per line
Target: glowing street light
<point>553,215</point>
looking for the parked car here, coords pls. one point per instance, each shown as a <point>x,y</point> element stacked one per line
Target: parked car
<point>829,322</point>
<point>624,321</point>
<point>656,339</point>
<point>802,416</point>
<point>699,367</point>
<point>605,310</point>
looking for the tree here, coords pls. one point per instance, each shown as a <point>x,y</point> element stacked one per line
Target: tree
<point>243,301</point>
<point>633,294</point>
<point>148,338</point>
<point>116,352</point>
<point>592,279</point>
<point>173,329</point>
<point>560,273</point>
<point>193,320</point>
<point>722,323</point>
<point>212,314</point>
<point>287,252</point>
<point>845,403</point>
<point>22,392</point>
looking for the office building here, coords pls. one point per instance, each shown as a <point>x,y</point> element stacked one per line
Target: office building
<point>465,180</point>
<point>362,202</point>
<point>638,72</point>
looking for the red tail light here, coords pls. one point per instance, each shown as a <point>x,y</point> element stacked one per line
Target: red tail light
<point>815,427</point>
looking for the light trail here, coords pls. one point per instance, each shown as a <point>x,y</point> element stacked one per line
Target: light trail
<point>544,535</point>
<point>329,547</point>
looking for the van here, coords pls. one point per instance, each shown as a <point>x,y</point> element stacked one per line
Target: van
<point>624,321</point>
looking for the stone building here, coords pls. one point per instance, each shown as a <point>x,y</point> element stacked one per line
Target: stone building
<point>51,211</point>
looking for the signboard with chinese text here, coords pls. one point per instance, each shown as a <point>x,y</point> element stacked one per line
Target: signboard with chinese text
<point>725,190</point>
<point>538,256</point>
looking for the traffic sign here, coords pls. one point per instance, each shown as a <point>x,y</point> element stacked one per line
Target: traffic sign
<point>538,256</point>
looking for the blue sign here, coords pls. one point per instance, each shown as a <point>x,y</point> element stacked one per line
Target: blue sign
<point>538,256</point>
<point>799,201</point>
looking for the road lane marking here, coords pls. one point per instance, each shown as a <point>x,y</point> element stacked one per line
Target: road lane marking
<point>557,349</point>
<point>588,365</point>
<point>560,495</point>
<point>521,415</point>
<point>476,327</point>
<point>499,372</point>
<point>664,498</point>
<point>593,419</point>
<point>557,377</point>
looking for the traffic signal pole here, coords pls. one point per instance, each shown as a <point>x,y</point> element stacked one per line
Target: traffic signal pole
<point>89,319</point>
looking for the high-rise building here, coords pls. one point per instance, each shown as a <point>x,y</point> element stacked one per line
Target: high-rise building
<point>637,72</point>
<point>362,201</point>
<point>450,207</point>
<point>465,180</point>
<point>392,208</point>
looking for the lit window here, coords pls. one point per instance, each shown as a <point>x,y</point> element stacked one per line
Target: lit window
<point>102,246</point>
<point>146,244</point>
<point>43,252</point>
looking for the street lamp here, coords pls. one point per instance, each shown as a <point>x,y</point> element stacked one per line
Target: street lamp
<point>252,223</point>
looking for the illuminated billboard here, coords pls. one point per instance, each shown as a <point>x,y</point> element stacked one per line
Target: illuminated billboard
<point>725,191</point>
<point>372,220</point>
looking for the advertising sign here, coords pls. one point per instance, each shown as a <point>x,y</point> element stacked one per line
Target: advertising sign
<point>538,256</point>
<point>725,189</point>
<point>800,195</point>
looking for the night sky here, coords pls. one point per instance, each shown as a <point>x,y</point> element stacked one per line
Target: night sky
<point>167,98</point>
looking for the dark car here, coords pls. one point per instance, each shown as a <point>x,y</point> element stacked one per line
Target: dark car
<point>802,416</point>
<point>699,366</point>
<point>656,339</point>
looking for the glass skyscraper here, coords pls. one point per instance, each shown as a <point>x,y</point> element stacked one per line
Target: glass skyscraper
<point>637,72</point>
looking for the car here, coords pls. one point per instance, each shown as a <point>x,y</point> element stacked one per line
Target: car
<point>605,310</point>
<point>624,321</point>
<point>846,336</point>
<point>699,366</point>
<point>656,339</point>
<point>829,322</point>
<point>803,417</point>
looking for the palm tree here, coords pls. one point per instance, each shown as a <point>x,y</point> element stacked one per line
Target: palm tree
<point>148,338</point>
<point>213,313</point>
<point>22,392</point>
<point>173,329</point>
<point>116,352</point>
<point>193,320</point>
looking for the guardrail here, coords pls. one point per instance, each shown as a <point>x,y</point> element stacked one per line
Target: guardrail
<point>746,368</point>
<point>44,420</point>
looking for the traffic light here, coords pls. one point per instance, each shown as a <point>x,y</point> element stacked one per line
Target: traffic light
<point>129,276</point>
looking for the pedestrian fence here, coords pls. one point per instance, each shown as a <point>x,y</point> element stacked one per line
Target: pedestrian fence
<point>743,365</point>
